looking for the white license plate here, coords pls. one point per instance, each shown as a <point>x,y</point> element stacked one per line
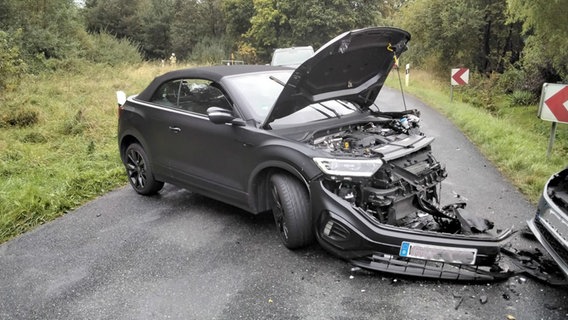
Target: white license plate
<point>437,253</point>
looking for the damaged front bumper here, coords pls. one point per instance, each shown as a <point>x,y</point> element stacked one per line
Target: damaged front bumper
<point>353,234</point>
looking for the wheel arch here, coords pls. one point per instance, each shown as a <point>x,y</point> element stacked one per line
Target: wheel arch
<point>129,138</point>
<point>258,184</point>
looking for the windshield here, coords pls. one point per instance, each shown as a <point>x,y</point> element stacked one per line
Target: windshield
<point>259,91</point>
<point>292,56</point>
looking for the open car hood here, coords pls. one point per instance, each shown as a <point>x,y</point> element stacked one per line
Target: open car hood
<point>351,67</point>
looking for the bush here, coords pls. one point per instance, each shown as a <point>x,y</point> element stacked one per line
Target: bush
<point>106,49</point>
<point>23,117</point>
<point>34,137</point>
<point>511,80</point>
<point>11,63</point>
<point>480,91</point>
<point>522,98</point>
<point>209,51</point>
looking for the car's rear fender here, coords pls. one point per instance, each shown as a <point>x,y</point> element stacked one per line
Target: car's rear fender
<point>128,134</point>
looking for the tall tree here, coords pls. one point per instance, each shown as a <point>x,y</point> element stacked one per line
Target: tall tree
<point>48,28</point>
<point>545,25</point>
<point>306,22</point>
<point>117,17</point>
<point>238,14</point>
<point>194,21</point>
<point>501,42</point>
<point>450,33</point>
<point>156,18</point>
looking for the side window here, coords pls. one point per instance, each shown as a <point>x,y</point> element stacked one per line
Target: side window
<point>194,95</point>
<point>167,94</point>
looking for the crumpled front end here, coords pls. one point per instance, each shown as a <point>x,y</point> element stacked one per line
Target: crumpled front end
<point>393,220</point>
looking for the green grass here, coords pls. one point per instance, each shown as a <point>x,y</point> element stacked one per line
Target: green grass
<point>58,145</point>
<point>512,137</point>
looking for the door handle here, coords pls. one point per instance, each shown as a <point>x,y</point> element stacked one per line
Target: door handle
<point>175,129</point>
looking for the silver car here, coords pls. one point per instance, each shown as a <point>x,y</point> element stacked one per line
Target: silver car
<point>550,225</point>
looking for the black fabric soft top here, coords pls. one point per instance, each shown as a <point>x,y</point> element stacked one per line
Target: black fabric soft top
<point>213,73</point>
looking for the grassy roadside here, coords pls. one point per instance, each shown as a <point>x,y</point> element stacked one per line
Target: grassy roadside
<point>58,142</point>
<point>510,136</point>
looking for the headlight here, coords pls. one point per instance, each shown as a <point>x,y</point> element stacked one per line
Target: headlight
<point>348,167</point>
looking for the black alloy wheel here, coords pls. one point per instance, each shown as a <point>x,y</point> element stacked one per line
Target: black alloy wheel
<point>140,172</point>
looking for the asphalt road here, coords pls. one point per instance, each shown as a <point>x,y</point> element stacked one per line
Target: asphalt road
<point>179,255</point>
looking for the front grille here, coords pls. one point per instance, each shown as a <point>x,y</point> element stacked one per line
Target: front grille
<point>558,248</point>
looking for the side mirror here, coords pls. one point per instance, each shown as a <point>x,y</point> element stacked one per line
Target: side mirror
<point>222,116</point>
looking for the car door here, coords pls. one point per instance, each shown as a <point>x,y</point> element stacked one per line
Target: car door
<point>201,155</point>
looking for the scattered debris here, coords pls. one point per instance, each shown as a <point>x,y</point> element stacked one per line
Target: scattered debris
<point>456,307</point>
<point>483,299</point>
<point>533,264</point>
<point>552,307</point>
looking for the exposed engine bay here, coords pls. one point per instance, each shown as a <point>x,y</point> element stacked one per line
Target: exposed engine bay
<point>405,190</point>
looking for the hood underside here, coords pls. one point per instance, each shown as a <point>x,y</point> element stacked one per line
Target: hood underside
<point>351,67</point>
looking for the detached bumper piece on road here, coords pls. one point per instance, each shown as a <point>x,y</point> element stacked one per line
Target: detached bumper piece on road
<point>429,269</point>
<point>511,263</point>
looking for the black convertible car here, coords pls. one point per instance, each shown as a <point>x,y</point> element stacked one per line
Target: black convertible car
<point>310,145</point>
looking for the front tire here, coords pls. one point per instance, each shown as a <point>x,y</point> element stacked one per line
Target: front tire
<point>139,171</point>
<point>291,209</point>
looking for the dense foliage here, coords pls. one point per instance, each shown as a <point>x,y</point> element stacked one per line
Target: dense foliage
<point>507,36</point>
<point>522,37</point>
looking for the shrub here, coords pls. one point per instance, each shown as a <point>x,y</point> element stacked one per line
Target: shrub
<point>11,63</point>
<point>522,98</point>
<point>23,117</point>
<point>34,137</point>
<point>106,49</point>
<point>480,91</point>
<point>209,51</point>
<point>75,125</point>
<point>512,79</point>
<point>247,53</point>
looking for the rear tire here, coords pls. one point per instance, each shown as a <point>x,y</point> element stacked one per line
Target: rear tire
<point>291,209</point>
<point>139,171</point>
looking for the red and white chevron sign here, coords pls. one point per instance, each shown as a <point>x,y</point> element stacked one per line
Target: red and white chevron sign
<point>460,76</point>
<point>554,103</point>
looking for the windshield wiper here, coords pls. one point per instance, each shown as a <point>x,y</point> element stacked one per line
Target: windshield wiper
<point>318,110</point>
<point>330,109</point>
<point>346,105</point>
<point>273,78</point>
